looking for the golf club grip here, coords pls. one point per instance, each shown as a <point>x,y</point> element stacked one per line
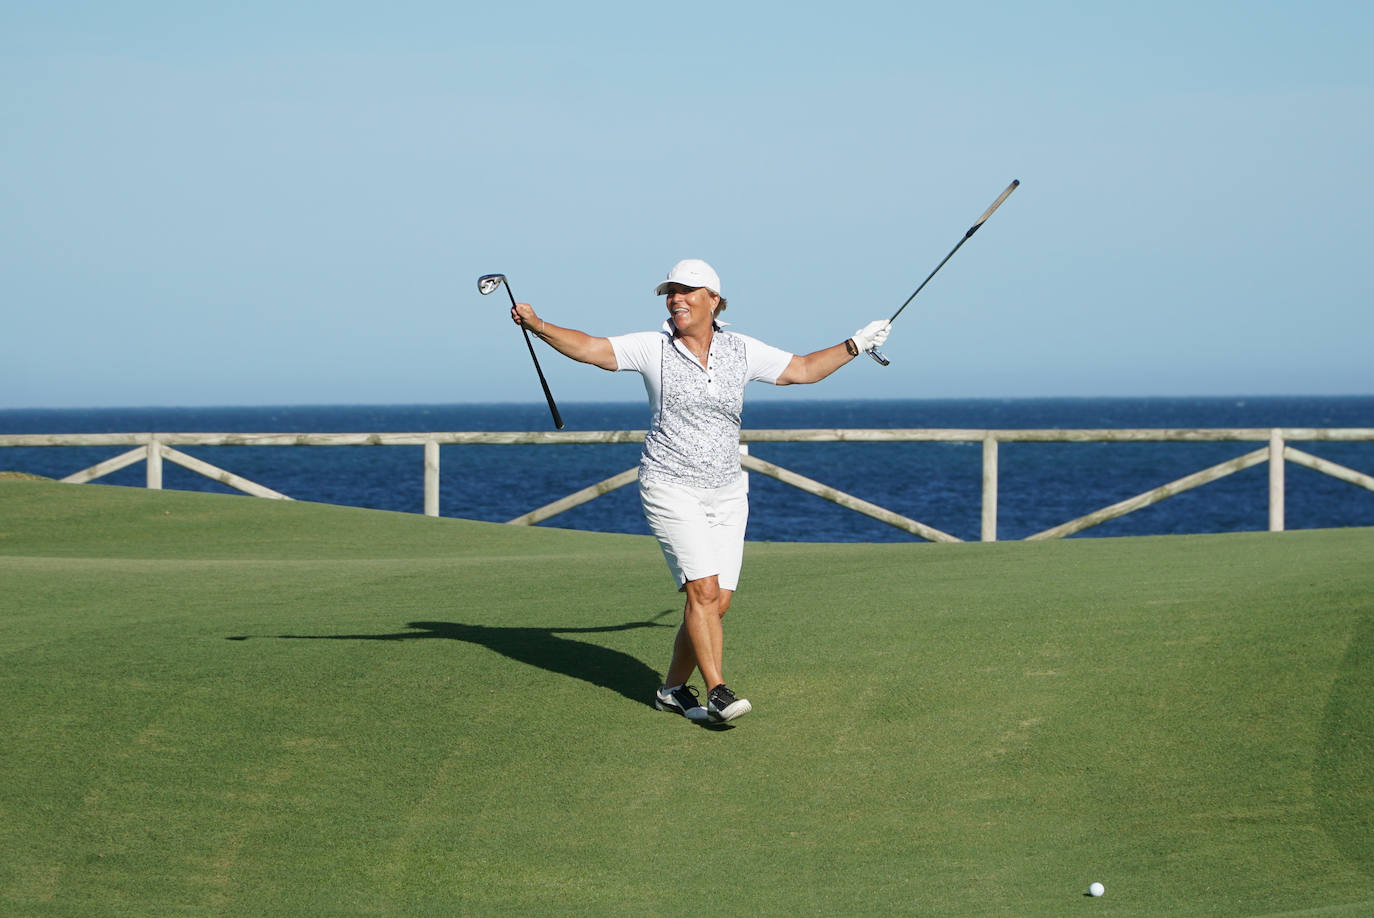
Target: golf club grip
<point>548,396</point>
<point>1006,193</point>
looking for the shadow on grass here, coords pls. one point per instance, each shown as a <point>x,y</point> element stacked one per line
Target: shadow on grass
<point>541,647</point>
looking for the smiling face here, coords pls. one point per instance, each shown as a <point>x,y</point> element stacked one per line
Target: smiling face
<point>691,309</point>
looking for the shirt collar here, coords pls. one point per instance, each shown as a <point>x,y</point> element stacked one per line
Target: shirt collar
<point>668,326</point>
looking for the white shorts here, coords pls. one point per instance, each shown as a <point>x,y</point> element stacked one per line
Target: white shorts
<point>701,530</point>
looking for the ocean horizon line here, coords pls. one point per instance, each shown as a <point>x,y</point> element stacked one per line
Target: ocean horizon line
<point>752,400</point>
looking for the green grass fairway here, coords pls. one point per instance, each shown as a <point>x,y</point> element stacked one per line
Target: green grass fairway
<point>220,705</point>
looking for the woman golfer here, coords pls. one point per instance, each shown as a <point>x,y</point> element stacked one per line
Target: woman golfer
<point>694,494</point>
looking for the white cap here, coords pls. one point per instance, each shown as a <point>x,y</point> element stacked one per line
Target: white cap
<point>691,272</point>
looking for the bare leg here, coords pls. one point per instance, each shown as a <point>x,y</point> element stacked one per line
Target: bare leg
<point>684,658</point>
<point>701,620</point>
<point>721,608</point>
<point>700,642</point>
<point>684,661</point>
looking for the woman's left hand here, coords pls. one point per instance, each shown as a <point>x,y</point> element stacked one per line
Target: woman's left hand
<point>872,335</point>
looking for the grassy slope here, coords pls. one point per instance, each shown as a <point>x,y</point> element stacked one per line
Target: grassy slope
<point>212,703</point>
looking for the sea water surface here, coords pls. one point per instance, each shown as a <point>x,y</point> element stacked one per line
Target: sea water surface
<point>1040,484</point>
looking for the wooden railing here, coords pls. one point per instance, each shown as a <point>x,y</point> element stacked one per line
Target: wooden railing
<point>155,448</point>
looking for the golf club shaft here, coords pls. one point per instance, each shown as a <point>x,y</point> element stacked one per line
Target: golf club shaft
<point>553,409</point>
<point>878,355</point>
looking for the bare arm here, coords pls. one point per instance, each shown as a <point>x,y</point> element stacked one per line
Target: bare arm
<point>818,365</point>
<point>815,366</point>
<point>570,342</point>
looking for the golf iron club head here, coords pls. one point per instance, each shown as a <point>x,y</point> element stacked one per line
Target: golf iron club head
<point>878,356</point>
<point>489,282</point>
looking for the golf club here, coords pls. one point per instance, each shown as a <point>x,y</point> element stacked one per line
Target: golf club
<point>486,284</point>
<point>877,354</point>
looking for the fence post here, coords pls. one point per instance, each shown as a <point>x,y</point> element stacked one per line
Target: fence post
<point>990,488</point>
<point>154,464</point>
<point>431,477</point>
<point>1275,480</point>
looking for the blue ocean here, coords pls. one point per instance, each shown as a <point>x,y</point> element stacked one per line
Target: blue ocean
<point>1040,484</point>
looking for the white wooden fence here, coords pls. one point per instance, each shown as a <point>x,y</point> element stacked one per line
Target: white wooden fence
<point>154,448</point>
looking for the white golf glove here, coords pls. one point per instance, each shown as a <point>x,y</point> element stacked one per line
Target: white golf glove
<point>872,335</point>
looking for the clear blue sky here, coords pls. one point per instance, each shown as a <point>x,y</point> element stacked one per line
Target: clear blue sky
<point>290,203</point>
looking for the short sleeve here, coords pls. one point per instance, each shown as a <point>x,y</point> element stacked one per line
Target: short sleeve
<point>765,363</point>
<point>636,351</point>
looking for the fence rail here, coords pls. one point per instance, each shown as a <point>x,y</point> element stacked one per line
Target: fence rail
<point>155,448</point>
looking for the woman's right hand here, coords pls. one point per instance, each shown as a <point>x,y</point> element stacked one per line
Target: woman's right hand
<point>523,314</point>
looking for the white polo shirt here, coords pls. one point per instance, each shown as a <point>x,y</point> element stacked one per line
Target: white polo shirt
<point>693,437</point>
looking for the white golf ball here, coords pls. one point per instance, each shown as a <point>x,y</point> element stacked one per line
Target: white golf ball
<point>1096,889</point>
